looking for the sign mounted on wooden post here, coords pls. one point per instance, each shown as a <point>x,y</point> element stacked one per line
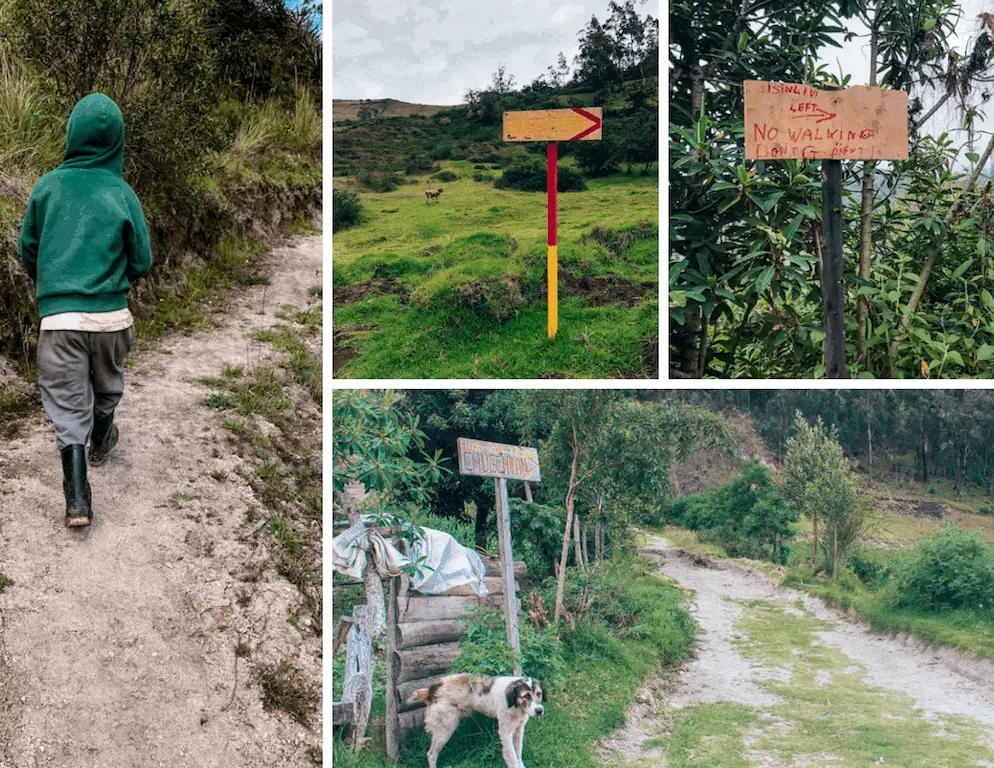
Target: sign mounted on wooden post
<point>785,121</point>
<point>553,125</point>
<point>503,463</point>
<point>791,121</point>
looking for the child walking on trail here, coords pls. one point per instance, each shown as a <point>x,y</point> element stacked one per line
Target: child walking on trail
<point>84,241</point>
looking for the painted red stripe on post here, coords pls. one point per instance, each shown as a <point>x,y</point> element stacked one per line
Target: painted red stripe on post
<point>596,123</point>
<point>552,182</point>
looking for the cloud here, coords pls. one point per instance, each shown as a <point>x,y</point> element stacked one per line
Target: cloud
<point>433,51</point>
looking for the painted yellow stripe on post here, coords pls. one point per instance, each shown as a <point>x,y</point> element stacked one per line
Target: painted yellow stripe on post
<point>553,273</point>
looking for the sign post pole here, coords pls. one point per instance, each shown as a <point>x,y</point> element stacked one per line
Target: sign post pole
<point>798,121</point>
<point>553,125</point>
<point>502,462</point>
<point>832,292</point>
<point>552,184</point>
<point>507,570</point>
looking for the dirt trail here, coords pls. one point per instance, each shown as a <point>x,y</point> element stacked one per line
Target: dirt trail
<point>118,641</point>
<point>940,682</point>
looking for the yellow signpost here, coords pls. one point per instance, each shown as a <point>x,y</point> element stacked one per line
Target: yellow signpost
<point>553,125</point>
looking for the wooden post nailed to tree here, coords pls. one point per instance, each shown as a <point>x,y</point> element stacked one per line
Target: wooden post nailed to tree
<point>798,121</point>
<point>553,125</point>
<point>833,296</point>
<point>503,463</point>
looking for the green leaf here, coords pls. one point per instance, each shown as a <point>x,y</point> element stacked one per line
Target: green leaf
<point>743,41</point>
<point>765,278</point>
<point>962,268</point>
<point>985,353</point>
<point>973,157</point>
<point>956,358</point>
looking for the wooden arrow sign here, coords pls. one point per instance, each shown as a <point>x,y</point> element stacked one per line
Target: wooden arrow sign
<point>578,124</point>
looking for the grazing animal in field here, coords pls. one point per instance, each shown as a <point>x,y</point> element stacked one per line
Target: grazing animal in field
<point>430,193</point>
<point>510,700</point>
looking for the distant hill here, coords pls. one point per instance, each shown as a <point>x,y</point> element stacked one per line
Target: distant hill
<point>348,109</point>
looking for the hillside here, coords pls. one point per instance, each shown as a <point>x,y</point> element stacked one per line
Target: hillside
<point>348,109</point>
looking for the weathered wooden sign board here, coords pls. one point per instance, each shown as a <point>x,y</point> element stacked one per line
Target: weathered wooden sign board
<point>478,457</point>
<point>789,120</point>
<point>575,124</point>
<point>503,463</point>
<point>553,125</point>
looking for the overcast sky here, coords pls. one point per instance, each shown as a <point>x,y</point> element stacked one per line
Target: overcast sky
<point>433,51</point>
<point>854,60</point>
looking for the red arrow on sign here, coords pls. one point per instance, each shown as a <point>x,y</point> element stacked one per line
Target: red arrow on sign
<point>819,113</point>
<point>592,118</point>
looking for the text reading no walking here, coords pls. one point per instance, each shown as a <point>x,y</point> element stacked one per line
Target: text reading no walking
<point>792,121</point>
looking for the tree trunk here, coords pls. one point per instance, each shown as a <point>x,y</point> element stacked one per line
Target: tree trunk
<point>814,547</point>
<point>597,540</point>
<point>583,541</point>
<point>577,553</point>
<point>866,213</point>
<point>933,254</point>
<point>561,576</point>
<point>835,551</point>
<point>869,439</point>
<point>528,491</point>
<point>368,622</point>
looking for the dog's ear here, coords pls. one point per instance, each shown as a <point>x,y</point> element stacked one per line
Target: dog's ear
<point>513,689</point>
<point>540,686</point>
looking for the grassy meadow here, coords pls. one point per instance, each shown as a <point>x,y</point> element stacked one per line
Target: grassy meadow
<point>456,289</point>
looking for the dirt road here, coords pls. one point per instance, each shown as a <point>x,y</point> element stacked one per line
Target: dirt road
<point>779,680</point>
<point>137,641</point>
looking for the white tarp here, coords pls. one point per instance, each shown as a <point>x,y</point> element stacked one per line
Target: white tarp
<point>446,563</point>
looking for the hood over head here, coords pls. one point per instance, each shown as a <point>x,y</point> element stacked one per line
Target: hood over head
<point>95,135</point>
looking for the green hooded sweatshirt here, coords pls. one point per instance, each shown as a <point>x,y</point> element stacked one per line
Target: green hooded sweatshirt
<point>85,238</point>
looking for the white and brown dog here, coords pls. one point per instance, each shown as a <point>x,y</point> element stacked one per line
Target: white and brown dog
<point>510,700</point>
<point>430,193</point>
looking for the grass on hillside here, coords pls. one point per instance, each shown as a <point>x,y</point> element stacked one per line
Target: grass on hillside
<point>457,288</point>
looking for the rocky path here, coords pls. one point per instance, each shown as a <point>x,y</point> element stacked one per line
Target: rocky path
<point>134,642</point>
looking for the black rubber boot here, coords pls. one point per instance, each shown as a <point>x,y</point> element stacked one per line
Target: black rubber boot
<point>102,439</point>
<point>79,511</point>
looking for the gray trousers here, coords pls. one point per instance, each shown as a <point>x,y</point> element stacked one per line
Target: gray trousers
<point>81,375</point>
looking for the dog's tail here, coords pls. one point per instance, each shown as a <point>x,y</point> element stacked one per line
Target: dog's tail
<point>421,694</point>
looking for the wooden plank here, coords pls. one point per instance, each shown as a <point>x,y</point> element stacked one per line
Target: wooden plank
<point>392,724</point>
<point>411,720</point>
<point>426,661</point>
<point>342,712</point>
<point>442,608</point>
<point>790,120</point>
<point>404,691</point>
<point>577,124</point>
<point>429,633</point>
<point>494,568</point>
<point>495,586</point>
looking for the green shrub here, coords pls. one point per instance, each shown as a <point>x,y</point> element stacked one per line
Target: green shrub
<point>985,509</point>
<point>954,568</point>
<point>379,181</point>
<point>484,649</point>
<point>538,535</point>
<point>747,515</point>
<point>598,158</point>
<point>931,489</point>
<point>872,573</point>
<point>346,210</point>
<point>528,174</point>
<point>415,164</point>
<point>481,176</point>
<point>446,175</point>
